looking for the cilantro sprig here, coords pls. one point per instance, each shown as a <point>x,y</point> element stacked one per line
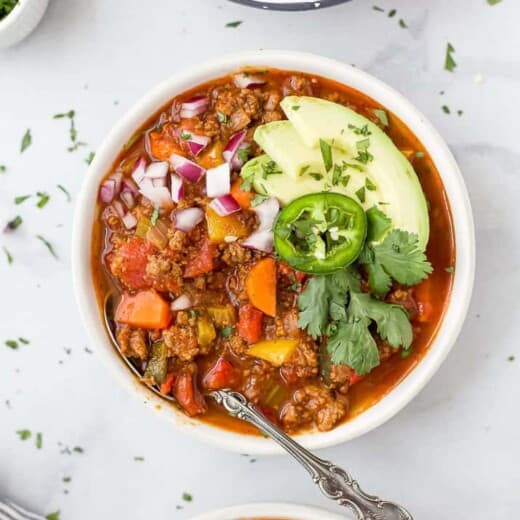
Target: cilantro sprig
<point>334,306</point>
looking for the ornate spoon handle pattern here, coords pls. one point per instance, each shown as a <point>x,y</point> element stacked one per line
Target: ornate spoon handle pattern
<point>334,482</point>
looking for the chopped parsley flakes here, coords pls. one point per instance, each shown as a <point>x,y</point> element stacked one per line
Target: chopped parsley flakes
<point>8,255</point>
<point>15,223</point>
<point>24,434</point>
<point>48,245</point>
<point>449,62</point>
<point>234,24</point>
<point>43,199</point>
<point>26,141</point>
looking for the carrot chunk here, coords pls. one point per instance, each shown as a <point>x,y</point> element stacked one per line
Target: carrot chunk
<point>146,310</point>
<point>261,286</point>
<point>241,196</point>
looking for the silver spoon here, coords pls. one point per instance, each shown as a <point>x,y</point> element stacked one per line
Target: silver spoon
<point>334,482</point>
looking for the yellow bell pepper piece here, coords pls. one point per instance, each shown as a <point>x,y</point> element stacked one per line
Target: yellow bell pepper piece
<point>221,227</point>
<point>205,331</point>
<point>223,315</point>
<point>276,351</point>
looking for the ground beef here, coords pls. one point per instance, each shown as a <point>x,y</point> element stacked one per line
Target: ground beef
<point>304,363</point>
<point>405,298</point>
<point>316,403</point>
<point>133,342</point>
<point>181,338</point>
<point>236,286</point>
<point>256,380</point>
<point>164,273</point>
<point>297,86</point>
<point>235,254</point>
<point>340,378</point>
<point>177,241</point>
<point>237,345</point>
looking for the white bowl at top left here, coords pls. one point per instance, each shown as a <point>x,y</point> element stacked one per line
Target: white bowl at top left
<point>21,21</point>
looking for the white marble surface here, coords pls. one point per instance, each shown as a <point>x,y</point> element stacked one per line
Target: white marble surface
<point>453,452</point>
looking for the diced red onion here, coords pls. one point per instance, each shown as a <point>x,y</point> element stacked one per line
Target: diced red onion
<point>237,162</point>
<point>187,169</point>
<point>117,178</point>
<point>157,170</point>
<point>157,195</point>
<point>107,191</point>
<point>224,205</point>
<point>181,303</point>
<point>177,188</point>
<point>232,146</point>
<point>244,80</point>
<point>129,221</point>
<point>187,219</point>
<point>267,212</point>
<point>128,198</point>
<point>159,182</point>
<point>139,170</point>
<point>197,143</point>
<point>128,185</point>
<point>260,240</point>
<point>195,106</point>
<point>119,208</point>
<point>218,180</point>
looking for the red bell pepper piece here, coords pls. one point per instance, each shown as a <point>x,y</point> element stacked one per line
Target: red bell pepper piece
<point>188,395</point>
<point>250,321</point>
<point>221,375</point>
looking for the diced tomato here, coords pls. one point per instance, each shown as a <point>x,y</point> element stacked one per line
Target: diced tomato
<point>203,261</point>
<point>354,377</point>
<point>221,375</point>
<point>128,262</point>
<point>250,321</point>
<point>167,385</point>
<point>188,394</point>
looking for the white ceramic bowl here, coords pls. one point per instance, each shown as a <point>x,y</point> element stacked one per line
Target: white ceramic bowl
<point>268,510</point>
<point>353,77</point>
<point>21,21</point>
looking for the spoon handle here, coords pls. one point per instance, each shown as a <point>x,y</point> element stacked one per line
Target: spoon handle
<point>334,482</point>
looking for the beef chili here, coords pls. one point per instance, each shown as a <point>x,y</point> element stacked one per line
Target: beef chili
<point>313,331</point>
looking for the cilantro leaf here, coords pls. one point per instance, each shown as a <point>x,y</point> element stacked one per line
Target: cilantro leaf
<point>326,154</point>
<point>53,516</point>
<point>352,344</point>
<point>377,224</point>
<point>392,320</point>
<point>314,306</point>
<point>401,257</point>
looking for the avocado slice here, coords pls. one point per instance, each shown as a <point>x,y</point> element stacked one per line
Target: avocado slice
<point>316,119</point>
<point>385,179</point>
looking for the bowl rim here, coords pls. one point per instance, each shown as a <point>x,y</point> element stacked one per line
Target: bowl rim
<point>454,186</point>
<point>266,510</point>
<point>15,13</point>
